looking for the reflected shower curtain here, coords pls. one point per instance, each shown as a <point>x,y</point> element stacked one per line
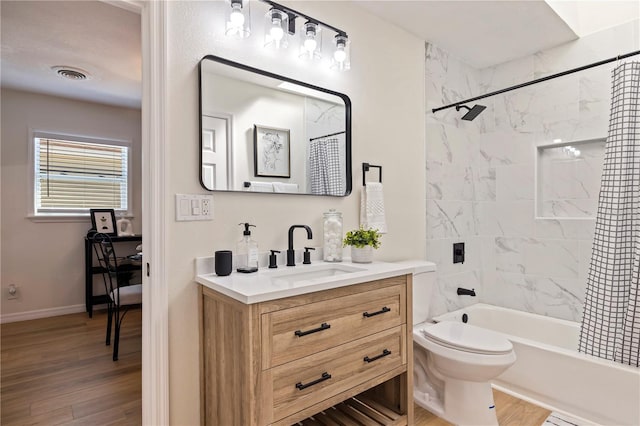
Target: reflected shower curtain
<point>324,166</point>
<point>611,320</point>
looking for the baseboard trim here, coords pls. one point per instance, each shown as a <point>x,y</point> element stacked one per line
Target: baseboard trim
<point>41,313</point>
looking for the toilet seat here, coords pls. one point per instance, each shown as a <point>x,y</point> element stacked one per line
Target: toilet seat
<point>467,338</point>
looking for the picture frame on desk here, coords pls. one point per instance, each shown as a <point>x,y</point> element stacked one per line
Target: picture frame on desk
<point>104,221</point>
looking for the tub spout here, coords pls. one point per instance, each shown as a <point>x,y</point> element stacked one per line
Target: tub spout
<point>466,292</point>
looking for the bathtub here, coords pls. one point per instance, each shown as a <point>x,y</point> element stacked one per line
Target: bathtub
<point>551,373</point>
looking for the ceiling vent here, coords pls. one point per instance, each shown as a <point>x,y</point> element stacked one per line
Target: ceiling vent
<point>71,73</point>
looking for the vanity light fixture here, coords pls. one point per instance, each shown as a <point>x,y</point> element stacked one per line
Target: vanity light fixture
<point>276,28</point>
<point>280,23</point>
<point>238,19</point>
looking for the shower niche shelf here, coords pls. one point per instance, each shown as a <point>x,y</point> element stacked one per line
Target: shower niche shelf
<point>568,179</point>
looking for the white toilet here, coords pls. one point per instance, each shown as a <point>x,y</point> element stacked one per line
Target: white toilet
<point>454,362</point>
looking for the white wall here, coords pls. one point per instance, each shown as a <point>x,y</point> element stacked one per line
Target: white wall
<point>386,86</point>
<point>46,260</point>
<point>480,174</point>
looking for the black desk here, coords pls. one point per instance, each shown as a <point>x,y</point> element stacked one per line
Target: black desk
<point>91,270</point>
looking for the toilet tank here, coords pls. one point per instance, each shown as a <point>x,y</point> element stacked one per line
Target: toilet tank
<point>424,284</point>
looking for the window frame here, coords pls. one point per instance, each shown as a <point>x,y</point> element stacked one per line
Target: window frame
<point>73,216</point>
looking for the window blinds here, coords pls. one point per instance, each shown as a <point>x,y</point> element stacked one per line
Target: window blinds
<point>75,176</point>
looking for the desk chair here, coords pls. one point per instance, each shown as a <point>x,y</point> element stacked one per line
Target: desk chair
<point>122,296</point>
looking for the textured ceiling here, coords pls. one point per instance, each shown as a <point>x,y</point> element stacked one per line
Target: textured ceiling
<point>99,38</point>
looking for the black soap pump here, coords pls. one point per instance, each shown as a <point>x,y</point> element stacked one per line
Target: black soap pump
<point>247,251</point>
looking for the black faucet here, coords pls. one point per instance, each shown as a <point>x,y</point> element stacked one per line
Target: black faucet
<point>291,254</point>
<point>466,292</point>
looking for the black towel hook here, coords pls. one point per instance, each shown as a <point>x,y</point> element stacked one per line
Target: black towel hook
<point>365,169</point>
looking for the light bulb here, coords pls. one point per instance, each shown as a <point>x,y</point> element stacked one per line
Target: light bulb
<point>236,17</point>
<point>340,55</point>
<point>340,60</point>
<point>276,30</point>
<point>576,153</point>
<point>310,44</point>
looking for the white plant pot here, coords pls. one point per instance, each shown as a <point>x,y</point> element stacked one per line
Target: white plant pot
<point>362,255</point>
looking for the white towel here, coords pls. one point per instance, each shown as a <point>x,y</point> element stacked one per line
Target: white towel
<point>372,214</point>
<point>260,187</point>
<point>285,187</point>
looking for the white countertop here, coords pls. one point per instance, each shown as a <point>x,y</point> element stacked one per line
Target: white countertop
<point>270,284</point>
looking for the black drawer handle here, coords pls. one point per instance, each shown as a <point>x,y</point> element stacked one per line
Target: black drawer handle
<point>383,354</point>
<point>323,326</point>
<point>381,311</point>
<point>325,376</point>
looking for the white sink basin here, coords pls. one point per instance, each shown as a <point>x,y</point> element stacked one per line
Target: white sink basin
<point>305,273</point>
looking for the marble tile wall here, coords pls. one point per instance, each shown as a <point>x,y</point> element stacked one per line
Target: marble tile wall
<point>480,174</point>
<point>459,181</point>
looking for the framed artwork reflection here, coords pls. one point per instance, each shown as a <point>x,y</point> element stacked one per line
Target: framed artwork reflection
<point>104,221</point>
<point>271,152</point>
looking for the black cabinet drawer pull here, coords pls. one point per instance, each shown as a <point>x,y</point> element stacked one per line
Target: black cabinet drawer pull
<point>325,376</point>
<point>323,326</point>
<point>383,354</point>
<point>381,311</point>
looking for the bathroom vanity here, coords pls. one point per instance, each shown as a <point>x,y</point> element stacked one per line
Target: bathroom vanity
<point>301,344</point>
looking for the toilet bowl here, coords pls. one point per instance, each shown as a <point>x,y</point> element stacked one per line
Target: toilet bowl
<point>454,362</point>
<point>457,362</point>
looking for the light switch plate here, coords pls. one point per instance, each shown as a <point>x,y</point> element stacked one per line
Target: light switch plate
<point>190,207</point>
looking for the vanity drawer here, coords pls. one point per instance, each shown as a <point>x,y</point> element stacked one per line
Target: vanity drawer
<point>310,380</point>
<point>293,333</point>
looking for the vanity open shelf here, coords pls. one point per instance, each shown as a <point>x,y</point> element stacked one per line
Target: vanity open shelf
<point>359,410</point>
<point>343,352</point>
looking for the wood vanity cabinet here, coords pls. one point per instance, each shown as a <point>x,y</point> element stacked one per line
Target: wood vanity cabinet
<point>344,353</point>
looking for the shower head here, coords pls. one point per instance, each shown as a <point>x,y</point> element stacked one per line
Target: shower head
<point>472,113</point>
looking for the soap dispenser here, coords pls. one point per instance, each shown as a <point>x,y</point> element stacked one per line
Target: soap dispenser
<point>247,251</point>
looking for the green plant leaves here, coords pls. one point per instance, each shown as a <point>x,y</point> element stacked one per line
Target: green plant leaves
<point>363,237</point>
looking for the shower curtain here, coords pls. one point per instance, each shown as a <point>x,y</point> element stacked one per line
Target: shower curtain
<point>324,166</point>
<point>611,321</point>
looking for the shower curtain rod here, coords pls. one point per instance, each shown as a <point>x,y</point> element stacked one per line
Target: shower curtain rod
<point>539,80</point>
<point>326,136</point>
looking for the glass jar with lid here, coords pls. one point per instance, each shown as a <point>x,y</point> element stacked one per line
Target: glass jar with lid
<point>332,227</point>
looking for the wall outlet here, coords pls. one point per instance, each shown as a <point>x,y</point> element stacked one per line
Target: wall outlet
<point>12,292</point>
<point>206,207</point>
<point>191,207</point>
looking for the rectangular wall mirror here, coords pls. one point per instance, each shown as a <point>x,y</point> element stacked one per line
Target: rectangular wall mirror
<point>261,132</point>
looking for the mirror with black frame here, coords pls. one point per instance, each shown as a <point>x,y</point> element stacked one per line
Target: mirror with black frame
<point>261,132</point>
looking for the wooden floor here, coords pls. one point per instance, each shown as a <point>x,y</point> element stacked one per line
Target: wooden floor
<point>510,411</point>
<point>59,371</point>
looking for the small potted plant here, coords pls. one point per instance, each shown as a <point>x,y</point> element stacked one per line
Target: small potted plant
<point>362,242</point>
